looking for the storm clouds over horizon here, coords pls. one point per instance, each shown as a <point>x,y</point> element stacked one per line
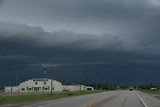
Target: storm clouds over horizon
<point>115,40</point>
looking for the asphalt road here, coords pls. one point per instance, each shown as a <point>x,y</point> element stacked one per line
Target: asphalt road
<point>104,99</point>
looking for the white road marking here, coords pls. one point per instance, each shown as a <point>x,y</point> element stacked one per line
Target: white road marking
<point>145,105</point>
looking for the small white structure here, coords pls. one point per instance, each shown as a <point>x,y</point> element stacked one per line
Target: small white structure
<point>45,85</point>
<point>153,89</point>
<point>74,87</point>
<point>89,88</point>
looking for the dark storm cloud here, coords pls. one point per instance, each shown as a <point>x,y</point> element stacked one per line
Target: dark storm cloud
<point>128,44</point>
<point>21,42</point>
<point>36,36</point>
<point>23,49</point>
<point>24,35</point>
<point>135,21</point>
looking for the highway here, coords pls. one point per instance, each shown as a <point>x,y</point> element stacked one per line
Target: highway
<point>104,99</point>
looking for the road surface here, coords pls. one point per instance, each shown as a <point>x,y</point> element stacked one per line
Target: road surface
<point>104,99</point>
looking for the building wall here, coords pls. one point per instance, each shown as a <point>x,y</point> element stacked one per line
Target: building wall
<point>43,85</point>
<point>73,87</point>
<point>11,89</point>
<point>36,85</point>
<point>89,88</point>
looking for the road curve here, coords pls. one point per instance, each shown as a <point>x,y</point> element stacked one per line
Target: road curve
<point>104,99</point>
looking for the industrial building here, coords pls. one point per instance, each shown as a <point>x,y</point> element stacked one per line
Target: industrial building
<point>45,85</point>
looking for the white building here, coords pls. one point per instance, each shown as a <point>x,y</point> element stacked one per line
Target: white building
<point>44,85</point>
<point>74,87</point>
<point>36,85</point>
<point>89,88</point>
<point>11,89</point>
<point>153,89</point>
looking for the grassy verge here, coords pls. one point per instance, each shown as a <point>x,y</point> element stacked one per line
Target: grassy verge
<point>156,93</point>
<point>151,92</point>
<point>38,97</point>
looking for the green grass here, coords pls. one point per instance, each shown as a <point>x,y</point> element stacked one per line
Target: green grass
<point>39,97</point>
<point>156,93</point>
<point>151,92</point>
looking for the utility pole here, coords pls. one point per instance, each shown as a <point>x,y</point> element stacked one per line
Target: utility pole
<point>96,83</point>
<point>45,72</point>
<point>51,86</point>
<point>52,81</point>
<point>84,78</point>
<point>16,80</point>
<point>11,80</point>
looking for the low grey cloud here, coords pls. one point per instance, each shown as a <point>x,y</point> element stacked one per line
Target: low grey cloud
<point>24,35</point>
<point>71,64</point>
<point>36,36</point>
<point>13,57</point>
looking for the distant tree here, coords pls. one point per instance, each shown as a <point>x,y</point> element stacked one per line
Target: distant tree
<point>148,86</point>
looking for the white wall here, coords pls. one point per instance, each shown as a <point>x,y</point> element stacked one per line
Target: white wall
<point>89,88</point>
<point>30,84</point>
<point>13,89</point>
<point>43,85</point>
<point>75,87</point>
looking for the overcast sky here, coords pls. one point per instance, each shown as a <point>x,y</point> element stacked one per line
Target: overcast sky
<point>123,33</point>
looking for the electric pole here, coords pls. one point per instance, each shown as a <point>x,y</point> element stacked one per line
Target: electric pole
<point>96,83</point>
<point>11,83</point>
<point>52,81</point>
<point>51,86</point>
<point>84,78</point>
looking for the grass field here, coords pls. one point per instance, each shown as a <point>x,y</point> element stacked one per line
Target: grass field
<point>38,97</point>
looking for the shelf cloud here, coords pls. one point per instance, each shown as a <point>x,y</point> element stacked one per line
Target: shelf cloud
<point>24,35</point>
<point>117,37</point>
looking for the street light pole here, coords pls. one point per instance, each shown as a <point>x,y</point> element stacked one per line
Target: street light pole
<point>11,84</point>
<point>51,86</point>
<point>52,81</point>
<point>84,78</point>
<point>96,83</point>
